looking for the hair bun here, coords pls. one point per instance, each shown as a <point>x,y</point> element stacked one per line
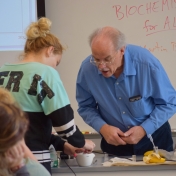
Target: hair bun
<point>39,29</point>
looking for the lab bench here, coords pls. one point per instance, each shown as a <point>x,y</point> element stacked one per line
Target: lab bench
<point>97,169</point>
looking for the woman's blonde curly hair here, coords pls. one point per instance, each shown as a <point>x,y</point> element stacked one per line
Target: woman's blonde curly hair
<point>39,37</point>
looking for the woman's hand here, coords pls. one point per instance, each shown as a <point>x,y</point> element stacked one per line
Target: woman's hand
<point>15,156</point>
<point>71,150</point>
<point>89,146</point>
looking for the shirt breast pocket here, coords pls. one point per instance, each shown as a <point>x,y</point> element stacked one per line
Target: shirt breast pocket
<point>140,108</point>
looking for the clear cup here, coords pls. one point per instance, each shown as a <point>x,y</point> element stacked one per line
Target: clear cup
<point>155,148</point>
<point>134,158</point>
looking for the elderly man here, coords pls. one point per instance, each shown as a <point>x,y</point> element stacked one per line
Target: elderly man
<point>124,93</point>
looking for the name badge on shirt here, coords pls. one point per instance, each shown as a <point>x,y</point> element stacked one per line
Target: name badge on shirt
<point>135,98</point>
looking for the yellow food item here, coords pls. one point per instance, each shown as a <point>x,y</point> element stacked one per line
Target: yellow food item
<point>148,153</point>
<point>156,160</point>
<point>151,157</point>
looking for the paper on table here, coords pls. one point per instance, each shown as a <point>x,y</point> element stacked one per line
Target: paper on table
<point>168,155</point>
<point>125,162</point>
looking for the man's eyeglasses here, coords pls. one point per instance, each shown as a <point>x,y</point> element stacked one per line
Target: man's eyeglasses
<point>107,61</point>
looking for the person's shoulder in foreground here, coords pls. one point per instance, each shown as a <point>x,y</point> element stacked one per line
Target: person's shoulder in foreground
<point>35,168</point>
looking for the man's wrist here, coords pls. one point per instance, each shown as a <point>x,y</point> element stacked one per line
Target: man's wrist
<point>103,127</point>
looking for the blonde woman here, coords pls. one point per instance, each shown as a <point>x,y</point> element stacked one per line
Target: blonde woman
<point>38,89</point>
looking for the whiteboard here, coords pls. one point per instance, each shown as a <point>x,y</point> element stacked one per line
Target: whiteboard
<point>148,23</point>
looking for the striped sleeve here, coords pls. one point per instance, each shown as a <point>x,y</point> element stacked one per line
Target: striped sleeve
<point>57,142</point>
<point>63,123</point>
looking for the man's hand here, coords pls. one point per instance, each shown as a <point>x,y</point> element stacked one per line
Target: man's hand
<point>112,135</point>
<point>134,135</point>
